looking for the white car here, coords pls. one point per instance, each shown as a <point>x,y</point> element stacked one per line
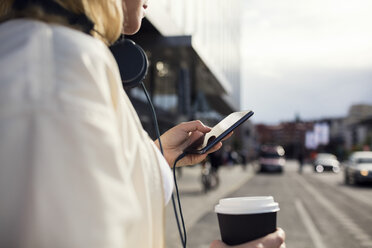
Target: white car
<point>326,162</point>
<point>359,168</point>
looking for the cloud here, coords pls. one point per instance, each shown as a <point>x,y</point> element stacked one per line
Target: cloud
<point>312,57</point>
<point>312,94</point>
<point>309,33</point>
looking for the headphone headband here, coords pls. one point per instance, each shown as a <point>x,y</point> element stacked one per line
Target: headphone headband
<point>54,8</point>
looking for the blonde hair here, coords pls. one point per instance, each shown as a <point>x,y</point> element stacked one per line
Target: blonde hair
<point>107,15</point>
<point>5,7</point>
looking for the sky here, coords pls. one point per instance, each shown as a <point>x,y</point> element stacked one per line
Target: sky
<point>307,58</point>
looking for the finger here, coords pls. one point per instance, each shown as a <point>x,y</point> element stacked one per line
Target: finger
<point>196,158</point>
<point>192,159</point>
<point>193,126</point>
<point>218,244</point>
<point>228,136</point>
<point>194,136</point>
<point>215,147</point>
<point>191,139</point>
<point>275,239</point>
<point>281,232</point>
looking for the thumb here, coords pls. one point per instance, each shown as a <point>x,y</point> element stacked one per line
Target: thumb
<point>218,244</point>
<point>192,126</point>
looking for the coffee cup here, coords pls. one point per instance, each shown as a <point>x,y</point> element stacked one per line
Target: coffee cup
<point>243,219</point>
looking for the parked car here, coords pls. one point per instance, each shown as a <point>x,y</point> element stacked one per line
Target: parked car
<point>326,162</point>
<point>359,168</point>
<point>272,158</point>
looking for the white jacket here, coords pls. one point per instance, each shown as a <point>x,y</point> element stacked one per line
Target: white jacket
<point>76,167</point>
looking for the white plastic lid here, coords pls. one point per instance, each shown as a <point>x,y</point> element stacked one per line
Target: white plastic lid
<point>247,205</point>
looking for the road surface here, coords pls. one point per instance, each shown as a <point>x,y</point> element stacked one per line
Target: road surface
<point>317,210</point>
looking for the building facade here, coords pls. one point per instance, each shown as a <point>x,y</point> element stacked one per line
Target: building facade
<point>214,26</point>
<point>193,49</point>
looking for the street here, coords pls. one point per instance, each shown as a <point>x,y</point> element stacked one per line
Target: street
<point>317,210</point>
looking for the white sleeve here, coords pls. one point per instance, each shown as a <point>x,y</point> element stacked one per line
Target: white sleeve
<point>166,174</point>
<point>63,180</point>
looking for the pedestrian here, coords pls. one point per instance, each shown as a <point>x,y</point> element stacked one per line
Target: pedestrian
<point>243,155</point>
<point>300,159</point>
<point>76,167</point>
<point>216,160</point>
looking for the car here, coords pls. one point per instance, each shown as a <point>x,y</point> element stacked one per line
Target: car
<point>326,162</point>
<point>272,158</point>
<point>358,168</point>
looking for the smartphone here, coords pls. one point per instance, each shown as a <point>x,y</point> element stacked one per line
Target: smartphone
<point>218,132</point>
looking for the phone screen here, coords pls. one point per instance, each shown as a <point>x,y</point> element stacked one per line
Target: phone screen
<point>218,132</point>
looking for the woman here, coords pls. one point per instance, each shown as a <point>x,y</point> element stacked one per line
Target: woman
<point>77,169</point>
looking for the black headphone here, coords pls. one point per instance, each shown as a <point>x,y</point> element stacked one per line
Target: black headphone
<point>132,62</point>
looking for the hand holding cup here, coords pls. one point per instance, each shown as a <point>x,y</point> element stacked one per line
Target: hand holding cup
<point>273,240</point>
<point>244,219</point>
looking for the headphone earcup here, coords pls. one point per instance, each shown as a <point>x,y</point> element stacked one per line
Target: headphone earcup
<point>132,62</point>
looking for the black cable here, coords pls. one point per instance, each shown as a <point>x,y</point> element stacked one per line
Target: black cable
<point>178,221</point>
<point>183,236</point>
<point>153,117</point>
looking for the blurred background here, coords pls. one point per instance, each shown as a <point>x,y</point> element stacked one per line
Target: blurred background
<point>305,69</point>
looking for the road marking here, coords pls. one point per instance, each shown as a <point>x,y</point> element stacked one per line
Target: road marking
<point>357,232</point>
<point>367,244</point>
<point>357,197</point>
<point>349,192</point>
<point>309,224</point>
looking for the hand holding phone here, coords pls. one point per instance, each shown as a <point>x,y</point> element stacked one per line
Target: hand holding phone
<point>218,132</point>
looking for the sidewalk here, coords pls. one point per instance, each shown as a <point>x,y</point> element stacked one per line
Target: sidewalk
<point>195,203</point>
